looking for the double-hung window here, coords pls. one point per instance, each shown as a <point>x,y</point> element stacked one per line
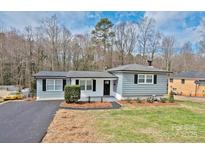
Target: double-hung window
<point>141,78</point>
<point>145,78</point>
<point>86,84</point>
<point>149,78</point>
<point>54,84</point>
<point>82,84</point>
<point>89,85</point>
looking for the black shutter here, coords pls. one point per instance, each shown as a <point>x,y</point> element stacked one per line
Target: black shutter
<point>94,85</point>
<point>155,79</point>
<point>44,84</point>
<point>77,82</point>
<point>64,83</point>
<point>136,79</point>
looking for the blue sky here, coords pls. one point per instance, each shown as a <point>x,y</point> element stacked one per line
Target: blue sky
<point>184,26</point>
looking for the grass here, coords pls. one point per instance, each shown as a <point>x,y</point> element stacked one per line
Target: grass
<point>182,123</point>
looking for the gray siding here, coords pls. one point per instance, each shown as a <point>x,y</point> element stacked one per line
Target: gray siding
<point>46,95</point>
<point>119,83</point>
<point>129,89</point>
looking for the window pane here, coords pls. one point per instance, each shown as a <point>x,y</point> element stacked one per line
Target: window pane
<point>58,87</point>
<point>58,82</point>
<point>149,79</point>
<point>141,80</point>
<point>141,76</point>
<point>50,82</point>
<point>49,87</point>
<point>82,84</point>
<point>89,85</point>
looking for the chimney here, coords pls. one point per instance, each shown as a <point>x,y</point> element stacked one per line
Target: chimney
<point>149,62</point>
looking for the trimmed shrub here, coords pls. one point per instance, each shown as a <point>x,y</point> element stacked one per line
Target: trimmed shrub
<point>138,100</point>
<point>71,93</point>
<point>163,100</point>
<point>150,99</point>
<point>171,97</point>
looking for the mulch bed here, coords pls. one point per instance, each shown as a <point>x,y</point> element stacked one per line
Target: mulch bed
<point>135,104</point>
<point>87,105</point>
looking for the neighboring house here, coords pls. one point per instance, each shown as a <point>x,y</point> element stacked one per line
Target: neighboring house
<point>190,83</point>
<point>127,81</point>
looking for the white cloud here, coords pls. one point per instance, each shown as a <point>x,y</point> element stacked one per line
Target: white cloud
<point>173,23</point>
<point>73,20</point>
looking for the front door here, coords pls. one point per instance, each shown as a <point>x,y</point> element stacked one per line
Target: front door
<point>106,87</point>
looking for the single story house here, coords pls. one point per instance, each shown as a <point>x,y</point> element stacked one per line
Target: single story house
<point>126,81</point>
<point>190,83</point>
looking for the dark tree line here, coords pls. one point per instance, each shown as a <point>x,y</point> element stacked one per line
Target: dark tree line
<point>52,46</point>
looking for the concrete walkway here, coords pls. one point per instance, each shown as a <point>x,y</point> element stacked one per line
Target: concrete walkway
<point>26,122</point>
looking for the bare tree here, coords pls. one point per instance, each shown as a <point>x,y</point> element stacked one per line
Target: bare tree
<point>30,46</point>
<point>52,29</point>
<point>145,35</point>
<point>52,47</point>
<point>125,39</point>
<point>66,42</point>
<point>154,44</point>
<point>168,50</point>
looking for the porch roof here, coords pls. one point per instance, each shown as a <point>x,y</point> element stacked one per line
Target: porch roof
<point>74,74</point>
<point>90,74</point>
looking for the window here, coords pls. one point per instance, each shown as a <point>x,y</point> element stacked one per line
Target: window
<point>171,80</point>
<point>54,85</point>
<point>145,78</point>
<point>141,78</point>
<point>86,84</point>
<point>89,85</point>
<point>82,84</point>
<point>182,81</point>
<point>149,78</point>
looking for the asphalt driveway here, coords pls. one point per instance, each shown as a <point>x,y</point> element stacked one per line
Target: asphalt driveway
<point>25,122</point>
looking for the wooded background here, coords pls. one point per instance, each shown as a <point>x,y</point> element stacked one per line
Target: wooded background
<point>51,46</point>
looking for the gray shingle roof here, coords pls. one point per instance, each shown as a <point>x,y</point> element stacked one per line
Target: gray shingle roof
<point>75,74</point>
<point>87,74</point>
<point>51,74</point>
<point>136,67</point>
<point>190,74</point>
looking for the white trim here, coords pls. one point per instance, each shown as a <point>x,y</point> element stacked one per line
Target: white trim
<point>54,84</point>
<point>145,79</point>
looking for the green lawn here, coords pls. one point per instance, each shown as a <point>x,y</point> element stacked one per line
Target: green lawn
<point>184,122</point>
